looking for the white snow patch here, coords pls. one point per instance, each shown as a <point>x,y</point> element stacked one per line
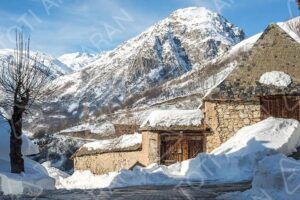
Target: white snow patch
<point>28,147</point>
<point>55,173</point>
<point>276,177</point>
<point>34,180</point>
<point>287,28</point>
<point>122,142</point>
<point>245,45</point>
<point>100,129</point>
<point>276,78</point>
<point>234,161</point>
<point>168,118</point>
<point>72,107</point>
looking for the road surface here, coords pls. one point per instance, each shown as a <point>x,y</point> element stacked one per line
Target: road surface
<point>191,192</point>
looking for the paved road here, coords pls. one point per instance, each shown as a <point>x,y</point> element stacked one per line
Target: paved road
<point>191,192</point>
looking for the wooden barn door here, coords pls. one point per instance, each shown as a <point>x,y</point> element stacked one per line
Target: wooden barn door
<point>176,148</point>
<point>280,107</point>
<point>194,148</point>
<point>171,149</point>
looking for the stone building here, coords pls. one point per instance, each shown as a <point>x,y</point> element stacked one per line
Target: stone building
<point>166,137</point>
<point>265,83</point>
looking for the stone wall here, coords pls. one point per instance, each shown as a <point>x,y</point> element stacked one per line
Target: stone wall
<point>225,118</point>
<point>114,161</point>
<point>107,162</point>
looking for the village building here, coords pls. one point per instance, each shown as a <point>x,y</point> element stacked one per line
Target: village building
<point>265,83</point>
<point>167,136</point>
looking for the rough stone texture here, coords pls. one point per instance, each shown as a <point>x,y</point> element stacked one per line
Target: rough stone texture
<point>274,51</point>
<point>113,161</point>
<point>226,117</point>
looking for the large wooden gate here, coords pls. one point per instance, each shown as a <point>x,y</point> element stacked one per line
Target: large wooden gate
<point>280,106</point>
<point>175,148</point>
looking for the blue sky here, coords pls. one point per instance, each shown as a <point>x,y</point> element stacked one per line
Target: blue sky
<point>65,26</point>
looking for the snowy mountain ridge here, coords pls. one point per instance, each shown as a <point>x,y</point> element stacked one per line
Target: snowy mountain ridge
<point>57,68</point>
<point>78,60</point>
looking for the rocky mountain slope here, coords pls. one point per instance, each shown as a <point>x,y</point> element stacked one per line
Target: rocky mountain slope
<point>120,79</point>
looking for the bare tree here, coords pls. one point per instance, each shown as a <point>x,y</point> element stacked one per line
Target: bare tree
<point>22,80</point>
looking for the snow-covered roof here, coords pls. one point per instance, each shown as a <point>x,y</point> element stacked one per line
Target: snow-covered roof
<point>130,142</point>
<point>173,119</point>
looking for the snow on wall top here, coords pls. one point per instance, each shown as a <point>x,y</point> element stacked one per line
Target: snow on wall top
<point>119,143</point>
<point>276,78</point>
<point>173,118</point>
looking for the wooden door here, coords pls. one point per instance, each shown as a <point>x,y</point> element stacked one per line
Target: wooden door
<point>171,150</point>
<point>176,148</point>
<point>280,107</point>
<point>194,148</point>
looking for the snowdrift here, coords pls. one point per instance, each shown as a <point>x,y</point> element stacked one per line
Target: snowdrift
<point>276,177</point>
<point>28,147</point>
<point>34,180</point>
<point>234,161</point>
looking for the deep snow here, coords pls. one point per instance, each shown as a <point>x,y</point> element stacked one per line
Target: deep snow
<point>276,177</point>
<point>234,161</point>
<point>34,180</point>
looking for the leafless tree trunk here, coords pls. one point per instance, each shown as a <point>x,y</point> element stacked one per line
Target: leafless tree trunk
<point>22,80</point>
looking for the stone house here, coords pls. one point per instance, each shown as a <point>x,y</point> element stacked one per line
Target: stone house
<point>246,96</point>
<point>166,137</point>
<point>265,83</point>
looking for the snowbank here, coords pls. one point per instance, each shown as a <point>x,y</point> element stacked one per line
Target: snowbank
<point>28,147</point>
<point>276,177</point>
<point>169,118</point>
<point>55,173</point>
<point>34,180</point>
<point>234,161</point>
<point>122,142</point>
<point>276,78</point>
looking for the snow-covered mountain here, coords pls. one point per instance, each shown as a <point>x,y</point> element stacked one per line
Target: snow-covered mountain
<point>78,60</point>
<point>185,41</point>
<point>57,68</point>
<point>119,79</point>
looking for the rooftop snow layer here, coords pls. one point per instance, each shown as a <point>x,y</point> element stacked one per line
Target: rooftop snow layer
<point>116,144</point>
<point>173,118</point>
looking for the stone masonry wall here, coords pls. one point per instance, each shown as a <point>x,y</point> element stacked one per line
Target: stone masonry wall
<point>114,161</point>
<point>225,118</point>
